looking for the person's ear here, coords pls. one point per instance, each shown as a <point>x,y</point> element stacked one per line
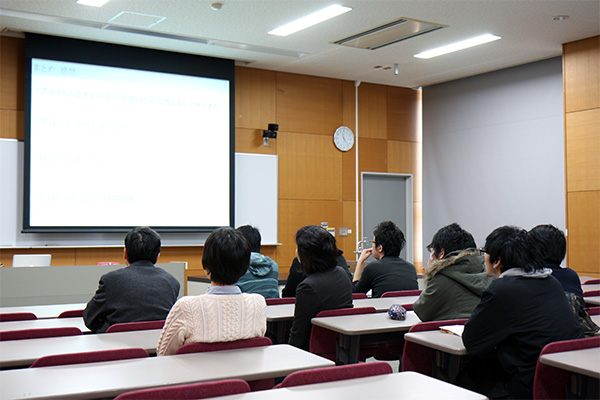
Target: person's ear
<point>497,267</point>
<point>441,254</point>
<point>125,255</point>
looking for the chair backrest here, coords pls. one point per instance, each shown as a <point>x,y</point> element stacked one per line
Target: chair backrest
<point>39,333</point>
<point>322,341</point>
<point>283,300</point>
<point>416,357</point>
<point>71,314</point>
<point>591,293</point>
<point>337,373</point>
<point>593,310</point>
<point>550,382</point>
<point>203,390</point>
<point>89,357</point>
<point>359,296</point>
<point>31,260</point>
<point>217,346</point>
<point>261,384</point>
<point>590,282</point>
<point>136,326</point>
<point>20,316</point>
<point>400,293</point>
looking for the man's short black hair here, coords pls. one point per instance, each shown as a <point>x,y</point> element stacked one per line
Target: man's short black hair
<point>550,242</point>
<point>142,244</point>
<point>317,250</point>
<point>252,235</point>
<point>514,249</point>
<point>226,256</point>
<point>451,238</point>
<point>390,237</point>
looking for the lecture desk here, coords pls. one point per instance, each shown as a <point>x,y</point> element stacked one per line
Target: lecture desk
<point>22,353</point>
<point>44,311</point>
<point>109,379</point>
<point>585,367</point>
<point>279,316</point>
<point>364,328</point>
<point>402,385</point>
<point>593,300</point>
<point>590,287</point>
<point>44,323</point>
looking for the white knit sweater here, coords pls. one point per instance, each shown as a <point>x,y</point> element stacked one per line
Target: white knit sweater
<point>213,318</point>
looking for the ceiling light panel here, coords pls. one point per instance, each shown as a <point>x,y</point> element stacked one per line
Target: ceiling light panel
<point>310,20</point>
<point>390,33</point>
<point>452,47</point>
<point>93,3</point>
<point>137,20</point>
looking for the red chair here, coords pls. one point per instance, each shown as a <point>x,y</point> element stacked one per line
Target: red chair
<point>21,316</point>
<point>136,326</point>
<point>590,282</point>
<point>593,311</point>
<point>419,358</point>
<point>359,296</point>
<point>261,384</point>
<point>337,373</point>
<point>322,341</point>
<point>71,314</point>
<point>400,293</point>
<point>590,294</point>
<point>550,382</point>
<point>89,357</point>
<point>203,390</point>
<point>283,300</point>
<point>39,333</point>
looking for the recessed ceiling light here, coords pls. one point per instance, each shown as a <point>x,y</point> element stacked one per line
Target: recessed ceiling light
<point>463,44</point>
<point>310,20</point>
<point>93,3</point>
<point>560,17</point>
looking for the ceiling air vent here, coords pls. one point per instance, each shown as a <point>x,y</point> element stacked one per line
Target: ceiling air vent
<point>389,33</point>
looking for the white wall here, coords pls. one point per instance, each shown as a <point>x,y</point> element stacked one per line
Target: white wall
<point>493,151</point>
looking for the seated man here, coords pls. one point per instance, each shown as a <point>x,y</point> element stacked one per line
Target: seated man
<point>455,277</point>
<point>224,313</point>
<point>389,272</point>
<point>139,292</point>
<point>552,245</point>
<point>262,276</point>
<point>520,312</point>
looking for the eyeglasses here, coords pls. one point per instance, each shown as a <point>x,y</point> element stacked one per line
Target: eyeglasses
<point>482,251</point>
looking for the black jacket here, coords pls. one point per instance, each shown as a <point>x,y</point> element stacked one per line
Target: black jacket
<point>140,292</point>
<point>319,291</point>
<point>389,274</point>
<point>516,318</point>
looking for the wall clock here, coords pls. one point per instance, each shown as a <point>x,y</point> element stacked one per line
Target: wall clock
<point>343,138</point>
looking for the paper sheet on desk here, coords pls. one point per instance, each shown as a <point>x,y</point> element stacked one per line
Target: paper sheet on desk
<point>453,329</point>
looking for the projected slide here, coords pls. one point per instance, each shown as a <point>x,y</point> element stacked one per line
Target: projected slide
<point>114,147</point>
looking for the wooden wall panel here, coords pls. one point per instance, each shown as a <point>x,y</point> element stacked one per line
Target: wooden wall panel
<point>348,244</point>
<point>251,141</point>
<point>372,111</point>
<point>372,155</point>
<point>310,167</point>
<point>294,214</point>
<point>59,256</point>
<point>11,124</point>
<point>584,231</point>
<point>583,150</point>
<point>308,104</point>
<point>405,158</point>
<point>403,114</point>
<point>255,98</point>
<point>12,70</point>
<point>581,63</point>
<point>581,76</point>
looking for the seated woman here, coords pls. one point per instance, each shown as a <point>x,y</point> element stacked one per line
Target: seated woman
<point>224,313</point>
<point>326,286</point>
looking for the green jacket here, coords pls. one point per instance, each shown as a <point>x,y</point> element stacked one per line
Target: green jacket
<point>454,286</point>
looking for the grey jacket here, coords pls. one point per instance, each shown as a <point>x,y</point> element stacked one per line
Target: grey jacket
<point>454,286</point>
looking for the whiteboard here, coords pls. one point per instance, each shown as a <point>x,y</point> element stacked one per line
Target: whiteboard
<point>256,193</point>
<point>255,203</point>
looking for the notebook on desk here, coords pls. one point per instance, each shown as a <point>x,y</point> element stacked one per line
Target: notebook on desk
<point>453,329</point>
